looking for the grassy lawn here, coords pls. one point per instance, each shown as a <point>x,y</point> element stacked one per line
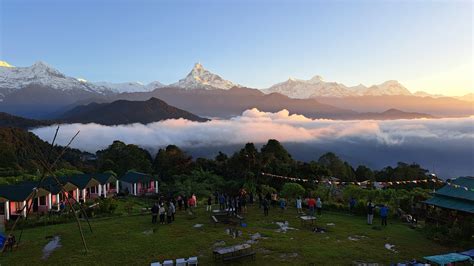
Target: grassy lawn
<point>133,240</point>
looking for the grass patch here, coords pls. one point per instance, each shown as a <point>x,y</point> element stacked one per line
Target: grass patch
<point>133,240</point>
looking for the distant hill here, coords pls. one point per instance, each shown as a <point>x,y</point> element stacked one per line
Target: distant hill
<point>232,102</point>
<point>126,112</point>
<point>392,114</point>
<point>8,120</point>
<point>439,106</point>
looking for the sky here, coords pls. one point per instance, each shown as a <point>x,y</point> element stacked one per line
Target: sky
<point>426,45</point>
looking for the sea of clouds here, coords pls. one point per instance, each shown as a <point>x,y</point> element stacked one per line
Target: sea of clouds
<point>429,141</point>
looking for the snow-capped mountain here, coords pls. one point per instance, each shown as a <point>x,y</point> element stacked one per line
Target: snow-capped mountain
<point>130,86</point>
<point>317,87</point>
<point>40,74</point>
<point>426,94</point>
<point>391,87</point>
<point>303,89</point>
<point>200,78</point>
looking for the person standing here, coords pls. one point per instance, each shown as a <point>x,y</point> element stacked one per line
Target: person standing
<point>384,214</point>
<point>180,202</point>
<point>311,206</point>
<point>319,205</point>
<point>191,204</point>
<point>162,212</point>
<point>173,210</point>
<point>195,200</point>
<point>370,212</point>
<point>265,204</point>
<point>251,198</point>
<point>282,204</point>
<point>243,204</point>
<point>260,200</point>
<point>299,205</point>
<point>169,213</point>
<point>209,204</point>
<point>352,203</point>
<point>154,213</point>
<point>221,201</point>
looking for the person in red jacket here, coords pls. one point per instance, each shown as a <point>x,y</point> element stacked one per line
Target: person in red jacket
<point>191,204</point>
<point>311,206</point>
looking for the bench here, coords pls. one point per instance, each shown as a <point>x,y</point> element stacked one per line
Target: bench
<point>240,256</point>
<point>214,219</point>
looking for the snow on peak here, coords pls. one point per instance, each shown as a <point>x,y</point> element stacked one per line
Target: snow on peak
<point>201,78</point>
<point>82,80</point>
<point>134,86</point>
<point>316,79</point>
<point>40,73</point>
<point>318,87</point>
<point>5,64</point>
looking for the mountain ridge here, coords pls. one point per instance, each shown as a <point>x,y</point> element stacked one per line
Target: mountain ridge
<point>122,112</point>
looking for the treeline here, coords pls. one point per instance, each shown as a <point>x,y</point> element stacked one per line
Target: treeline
<point>21,153</point>
<point>245,166</point>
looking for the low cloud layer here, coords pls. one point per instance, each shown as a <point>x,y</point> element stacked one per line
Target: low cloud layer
<point>256,126</point>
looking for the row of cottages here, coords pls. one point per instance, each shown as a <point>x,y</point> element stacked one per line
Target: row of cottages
<point>79,188</point>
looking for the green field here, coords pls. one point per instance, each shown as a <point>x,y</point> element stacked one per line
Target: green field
<point>133,240</point>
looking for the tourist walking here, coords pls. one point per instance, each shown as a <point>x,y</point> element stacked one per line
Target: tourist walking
<point>319,205</point>
<point>384,214</point>
<point>154,213</point>
<point>209,204</point>
<point>299,205</point>
<point>370,212</point>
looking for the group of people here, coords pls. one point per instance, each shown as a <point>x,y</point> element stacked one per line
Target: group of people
<point>167,208</point>
<point>271,199</point>
<point>236,203</point>
<point>383,213</point>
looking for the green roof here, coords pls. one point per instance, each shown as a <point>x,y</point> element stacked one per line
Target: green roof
<point>459,192</point>
<point>19,192</point>
<point>104,178</point>
<point>455,198</point>
<point>79,180</point>
<point>452,203</point>
<point>134,177</point>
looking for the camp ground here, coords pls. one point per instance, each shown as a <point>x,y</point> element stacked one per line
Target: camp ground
<point>280,238</point>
